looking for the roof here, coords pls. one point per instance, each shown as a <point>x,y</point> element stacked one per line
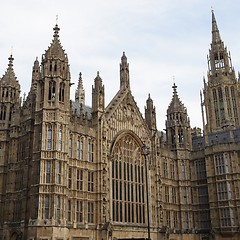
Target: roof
<point>78,108</point>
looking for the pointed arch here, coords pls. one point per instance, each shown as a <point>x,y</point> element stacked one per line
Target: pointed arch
<point>61,92</point>
<point>128,196</point>
<point>52,90</point>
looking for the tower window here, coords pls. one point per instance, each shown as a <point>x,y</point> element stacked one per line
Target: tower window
<point>59,173</point>
<point>60,140</point>
<point>52,90</point>
<point>3,113</point>
<point>70,147</point>
<point>46,208</point>
<point>58,206</point>
<point>49,143</point>
<point>70,178</point>
<point>180,136</point>
<point>219,60</point>
<point>235,111</point>
<point>80,149</point>
<point>69,210</point>
<point>48,171</point>
<point>90,151</point>
<point>61,92</point>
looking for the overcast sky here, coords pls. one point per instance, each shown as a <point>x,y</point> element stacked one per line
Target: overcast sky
<point>163,40</point>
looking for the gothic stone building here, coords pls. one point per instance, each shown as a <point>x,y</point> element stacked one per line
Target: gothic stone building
<point>105,172</point>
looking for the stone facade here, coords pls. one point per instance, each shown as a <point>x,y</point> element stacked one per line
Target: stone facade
<point>70,171</point>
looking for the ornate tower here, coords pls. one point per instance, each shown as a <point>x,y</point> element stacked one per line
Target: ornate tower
<point>9,103</point>
<point>179,141</point>
<point>221,102</point>
<point>51,131</point>
<point>54,86</point>
<point>178,124</point>
<point>221,98</point>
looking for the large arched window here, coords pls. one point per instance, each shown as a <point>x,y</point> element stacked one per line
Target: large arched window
<point>128,181</point>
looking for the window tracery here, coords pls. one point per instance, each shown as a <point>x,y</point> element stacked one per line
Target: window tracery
<point>128,182</point>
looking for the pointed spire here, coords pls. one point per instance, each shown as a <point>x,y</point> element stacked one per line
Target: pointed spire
<point>55,50</point>
<point>80,92</point>
<point>219,61</point>
<point>215,32</point>
<point>176,104</point>
<point>9,75</point>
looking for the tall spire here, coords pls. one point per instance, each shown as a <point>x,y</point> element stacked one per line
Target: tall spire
<point>80,93</point>
<point>219,60</point>
<point>176,103</point>
<point>220,101</point>
<point>215,32</point>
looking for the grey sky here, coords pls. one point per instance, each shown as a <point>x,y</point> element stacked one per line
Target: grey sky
<point>161,38</point>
